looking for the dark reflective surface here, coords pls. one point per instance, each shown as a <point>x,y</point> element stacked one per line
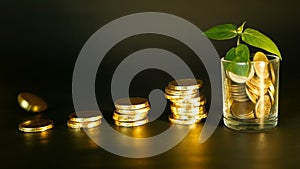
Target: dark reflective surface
<point>40,42</point>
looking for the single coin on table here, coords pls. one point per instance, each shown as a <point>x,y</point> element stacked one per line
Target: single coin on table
<point>36,125</point>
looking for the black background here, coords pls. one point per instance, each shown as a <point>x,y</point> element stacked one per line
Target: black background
<point>40,41</point>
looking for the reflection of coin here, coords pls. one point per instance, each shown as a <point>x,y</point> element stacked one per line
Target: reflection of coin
<point>36,125</point>
<point>131,103</point>
<point>85,116</point>
<point>260,63</point>
<point>183,122</point>
<point>243,110</point>
<point>263,107</point>
<point>185,84</point>
<point>31,102</point>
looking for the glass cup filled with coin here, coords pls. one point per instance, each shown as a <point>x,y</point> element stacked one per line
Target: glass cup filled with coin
<point>250,102</point>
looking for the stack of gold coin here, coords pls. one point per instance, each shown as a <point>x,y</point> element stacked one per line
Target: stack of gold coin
<point>84,119</point>
<point>187,105</point>
<point>260,88</point>
<point>131,112</point>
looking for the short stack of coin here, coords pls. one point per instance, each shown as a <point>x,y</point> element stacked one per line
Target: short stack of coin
<point>131,112</point>
<point>84,119</point>
<point>187,105</point>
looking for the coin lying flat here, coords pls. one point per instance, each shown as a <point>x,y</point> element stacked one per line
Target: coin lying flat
<point>85,125</point>
<point>36,125</point>
<point>185,84</point>
<point>31,102</point>
<point>131,103</point>
<point>132,112</point>
<point>85,116</point>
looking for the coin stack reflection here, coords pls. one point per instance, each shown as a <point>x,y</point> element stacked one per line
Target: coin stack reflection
<point>187,104</point>
<point>84,119</point>
<point>131,112</point>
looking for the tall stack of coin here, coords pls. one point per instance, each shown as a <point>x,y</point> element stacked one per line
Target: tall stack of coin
<point>187,105</point>
<point>131,112</point>
<point>84,119</point>
<point>253,96</point>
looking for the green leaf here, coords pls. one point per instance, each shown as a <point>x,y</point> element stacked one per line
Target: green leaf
<point>259,40</point>
<point>241,28</point>
<point>222,32</point>
<point>239,57</point>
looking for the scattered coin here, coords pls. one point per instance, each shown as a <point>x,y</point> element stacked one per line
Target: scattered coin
<point>36,125</point>
<point>31,102</point>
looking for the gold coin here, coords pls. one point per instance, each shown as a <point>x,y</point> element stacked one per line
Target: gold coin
<point>238,78</point>
<point>131,103</point>
<point>129,118</point>
<point>272,72</point>
<point>132,124</point>
<point>185,84</point>
<point>189,113</point>
<point>133,111</point>
<point>243,110</point>
<point>187,109</point>
<point>85,125</point>
<point>31,102</point>
<point>180,92</point>
<point>36,125</point>
<point>271,97</point>
<point>189,117</point>
<point>189,104</point>
<point>185,97</point>
<point>191,100</point>
<point>183,122</point>
<point>260,63</point>
<point>253,97</point>
<point>263,107</point>
<point>272,89</point>
<point>85,116</point>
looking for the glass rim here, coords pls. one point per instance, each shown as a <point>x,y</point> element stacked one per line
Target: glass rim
<point>272,58</point>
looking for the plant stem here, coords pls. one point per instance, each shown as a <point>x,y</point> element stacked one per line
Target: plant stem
<point>238,40</point>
